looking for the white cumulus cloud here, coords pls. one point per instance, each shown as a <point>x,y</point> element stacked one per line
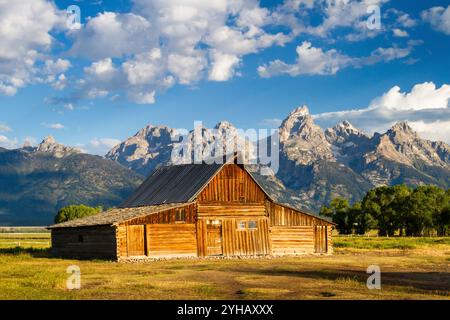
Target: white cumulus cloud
<point>56,126</point>
<point>400,33</point>
<point>315,61</point>
<point>161,43</point>
<point>426,107</point>
<point>111,34</point>
<point>438,18</point>
<point>25,39</point>
<point>99,146</point>
<point>8,143</point>
<point>422,96</point>
<point>4,128</point>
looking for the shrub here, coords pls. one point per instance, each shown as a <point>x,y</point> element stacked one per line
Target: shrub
<point>75,212</point>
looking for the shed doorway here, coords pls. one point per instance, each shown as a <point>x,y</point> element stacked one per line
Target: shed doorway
<point>136,240</point>
<point>214,238</point>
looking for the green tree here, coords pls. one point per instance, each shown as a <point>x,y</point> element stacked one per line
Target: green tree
<point>75,212</point>
<point>386,205</point>
<point>338,209</point>
<point>423,208</point>
<point>363,221</point>
<point>442,222</point>
<point>401,195</point>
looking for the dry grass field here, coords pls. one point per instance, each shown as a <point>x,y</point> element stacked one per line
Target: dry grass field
<point>411,268</point>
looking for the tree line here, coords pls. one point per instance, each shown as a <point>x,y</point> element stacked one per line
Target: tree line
<point>402,210</point>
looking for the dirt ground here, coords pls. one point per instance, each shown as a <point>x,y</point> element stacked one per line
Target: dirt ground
<point>420,272</point>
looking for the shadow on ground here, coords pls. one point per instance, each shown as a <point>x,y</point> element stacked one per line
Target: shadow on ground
<point>429,281</point>
<point>34,252</point>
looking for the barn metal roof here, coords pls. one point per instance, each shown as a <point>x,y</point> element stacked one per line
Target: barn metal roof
<point>172,184</point>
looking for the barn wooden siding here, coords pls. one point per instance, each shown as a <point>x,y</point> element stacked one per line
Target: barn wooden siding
<point>218,211</point>
<point>167,216</point>
<point>232,185</point>
<point>158,234</point>
<point>234,241</point>
<point>232,196</point>
<point>284,216</point>
<point>292,239</point>
<point>330,239</point>
<point>85,242</point>
<point>171,240</point>
<point>293,232</point>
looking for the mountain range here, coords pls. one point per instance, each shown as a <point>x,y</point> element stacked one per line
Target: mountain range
<point>36,181</point>
<point>315,165</point>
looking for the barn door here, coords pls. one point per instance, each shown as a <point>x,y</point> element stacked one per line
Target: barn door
<point>214,237</point>
<point>320,239</point>
<point>135,240</point>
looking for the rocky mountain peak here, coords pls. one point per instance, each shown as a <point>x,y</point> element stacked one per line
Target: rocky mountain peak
<point>49,145</point>
<point>300,111</point>
<point>224,138</point>
<point>27,145</point>
<point>348,142</point>
<point>348,128</point>
<point>402,128</point>
<point>153,143</point>
<point>152,131</point>
<point>298,122</point>
<point>49,140</point>
<point>223,129</point>
<point>404,137</point>
<point>224,125</point>
<point>302,140</point>
<point>343,131</point>
<point>402,144</point>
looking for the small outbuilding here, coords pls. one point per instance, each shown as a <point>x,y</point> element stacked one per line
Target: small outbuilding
<point>195,210</point>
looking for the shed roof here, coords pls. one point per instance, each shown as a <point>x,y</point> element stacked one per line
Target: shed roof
<point>115,216</point>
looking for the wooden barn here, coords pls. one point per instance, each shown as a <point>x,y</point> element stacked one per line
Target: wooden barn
<point>195,210</point>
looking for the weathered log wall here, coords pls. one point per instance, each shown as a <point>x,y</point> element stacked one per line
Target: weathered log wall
<point>85,242</point>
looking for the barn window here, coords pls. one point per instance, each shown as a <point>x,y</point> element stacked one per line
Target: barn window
<point>180,215</point>
<point>252,225</point>
<point>241,191</point>
<point>242,225</point>
<point>80,238</point>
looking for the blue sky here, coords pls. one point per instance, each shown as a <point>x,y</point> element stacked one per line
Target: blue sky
<point>133,63</point>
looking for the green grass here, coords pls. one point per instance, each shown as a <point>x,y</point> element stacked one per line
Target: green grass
<point>23,230</point>
<point>418,271</point>
<point>25,240</point>
<point>388,243</point>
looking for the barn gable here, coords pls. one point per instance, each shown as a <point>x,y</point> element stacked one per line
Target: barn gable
<point>232,185</point>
